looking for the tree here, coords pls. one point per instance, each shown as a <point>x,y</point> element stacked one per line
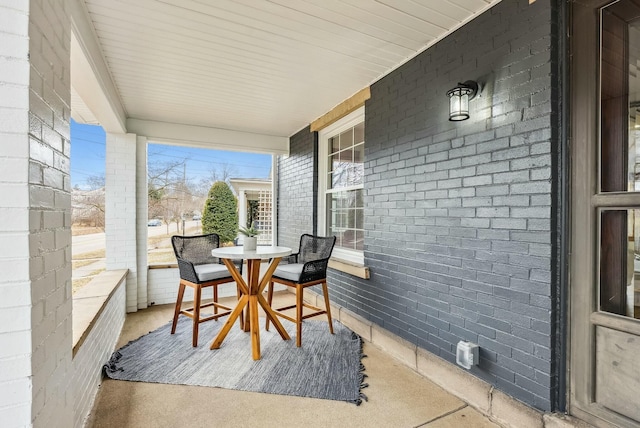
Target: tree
<point>88,204</point>
<point>170,196</point>
<point>223,172</point>
<point>162,177</point>
<point>220,214</point>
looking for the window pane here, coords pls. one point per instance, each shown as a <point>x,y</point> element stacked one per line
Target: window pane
<point>350,217</point>
<point>358,133</point>
<point>359,240</point>
<point>347,172</point>
<point>339,178</point>
<point>334,145</point>
<point>359,219</point>
<point>620,101</point>
<point>342,169</point>
<point>334,162</point>
<point>346,218</point>
<point>346,139</point>
<point>358,156</point>
<point>359,198</point>
<point>341,218</point>
<point>620,262</point>
<point>357,170</point>
<point>348,239</point>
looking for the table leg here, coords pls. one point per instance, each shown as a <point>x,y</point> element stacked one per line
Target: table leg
<point>273,317</point>
<point>253,276</point>
<point>255,327</point>
<point>265,305</point>
<point>244,300</point>
<point>242,286</point>
<point>252,324</point>
<point>236,275</point>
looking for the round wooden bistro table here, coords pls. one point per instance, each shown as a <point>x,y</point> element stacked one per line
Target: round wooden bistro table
<point>251,291</point>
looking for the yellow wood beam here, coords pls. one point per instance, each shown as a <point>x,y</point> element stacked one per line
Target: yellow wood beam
<point>342,109</point>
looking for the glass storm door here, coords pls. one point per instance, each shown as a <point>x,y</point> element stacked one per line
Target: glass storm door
<point>605,257</point>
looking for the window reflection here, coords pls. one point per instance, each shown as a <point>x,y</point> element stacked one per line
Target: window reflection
<point>620,94</point>
<point>346,161</point>
<point>346,218</point>
<point>620,262</point>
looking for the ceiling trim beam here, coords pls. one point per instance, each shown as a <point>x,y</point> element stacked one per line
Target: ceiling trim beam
<point>341,110</point>
<point>208,138</point>
<point>90,75</point>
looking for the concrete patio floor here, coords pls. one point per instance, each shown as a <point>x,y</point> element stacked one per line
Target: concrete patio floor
<point>397,397</point>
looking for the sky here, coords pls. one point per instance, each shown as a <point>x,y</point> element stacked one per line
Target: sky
<point>88,158</point>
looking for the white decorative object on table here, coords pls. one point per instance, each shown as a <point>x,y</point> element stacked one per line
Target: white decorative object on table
<point>250,240</point>
<point>249,243</point>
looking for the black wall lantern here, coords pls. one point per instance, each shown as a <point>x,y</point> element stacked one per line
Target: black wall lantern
<point>459,100</point>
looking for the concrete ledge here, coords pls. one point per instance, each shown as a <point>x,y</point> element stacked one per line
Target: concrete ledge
<point>474,391</point>
<point>510,412</point>
<point>356,323</point>
<point>393,345</point>
<point>90,300</point>
<point>494,404</point>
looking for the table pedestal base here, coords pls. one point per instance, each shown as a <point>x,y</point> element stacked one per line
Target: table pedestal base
<point>251,298</point>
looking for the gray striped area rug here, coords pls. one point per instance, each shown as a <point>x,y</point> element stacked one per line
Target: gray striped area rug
<point>326,366</point>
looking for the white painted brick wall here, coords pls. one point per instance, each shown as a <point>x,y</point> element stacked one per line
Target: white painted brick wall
<point>94,352</point>
<point>121,210</point>
<point>15,337</point>
<point>35,309</point>
<point>163,287</point>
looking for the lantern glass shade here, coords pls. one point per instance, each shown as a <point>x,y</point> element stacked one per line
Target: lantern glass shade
<point>459,100</point>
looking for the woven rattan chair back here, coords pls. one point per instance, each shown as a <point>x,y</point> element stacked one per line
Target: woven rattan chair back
<point>196,249</point>
<point>314,248</point>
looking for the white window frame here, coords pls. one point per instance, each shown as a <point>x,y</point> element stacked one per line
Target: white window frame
<point>349,121</point>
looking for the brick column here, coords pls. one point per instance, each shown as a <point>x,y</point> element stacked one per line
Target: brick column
<point>121,210</point>
<point>142,207</point>
<point>35,215</point>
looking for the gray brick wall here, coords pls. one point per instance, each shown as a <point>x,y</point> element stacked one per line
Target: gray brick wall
<point>458,214</point>
<point>297,186</point>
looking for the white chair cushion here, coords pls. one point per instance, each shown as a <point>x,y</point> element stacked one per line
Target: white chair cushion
<point>291,271</point>
<point>212,271</point>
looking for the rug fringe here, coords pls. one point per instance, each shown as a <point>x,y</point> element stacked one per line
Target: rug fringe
<point>110,366</point>
<point>363,385</point>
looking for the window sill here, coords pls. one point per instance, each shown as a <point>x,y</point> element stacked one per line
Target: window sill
<point>360,271</point>
<point>90,301</point>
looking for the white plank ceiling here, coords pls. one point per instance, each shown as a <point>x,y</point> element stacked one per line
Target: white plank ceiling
<point>264,66</point>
